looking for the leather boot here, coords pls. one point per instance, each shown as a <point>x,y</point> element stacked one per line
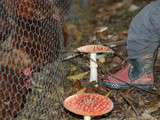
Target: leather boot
<point>138,73</point>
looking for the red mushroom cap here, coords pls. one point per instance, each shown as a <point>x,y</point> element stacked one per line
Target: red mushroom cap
<point>94,49</point>
<point>88,104</point>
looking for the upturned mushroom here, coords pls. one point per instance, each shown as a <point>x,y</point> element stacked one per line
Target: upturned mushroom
<point>88,104</point>
<point>93,50</point>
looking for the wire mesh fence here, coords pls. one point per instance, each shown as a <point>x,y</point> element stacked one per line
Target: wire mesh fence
<point>31,77</point>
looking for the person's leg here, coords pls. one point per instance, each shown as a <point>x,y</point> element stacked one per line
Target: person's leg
<point>139,71</point>
<point>143,40</point>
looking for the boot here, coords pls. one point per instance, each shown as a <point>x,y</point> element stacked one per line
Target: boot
<point>139,73</point>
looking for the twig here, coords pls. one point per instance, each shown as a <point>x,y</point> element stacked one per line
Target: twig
<point>75,55</point>
<point>130,103</point>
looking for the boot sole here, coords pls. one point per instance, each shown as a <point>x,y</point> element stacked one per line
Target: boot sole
<point>126,86</point>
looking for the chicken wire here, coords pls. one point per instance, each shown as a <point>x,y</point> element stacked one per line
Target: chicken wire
<point>31,75</point>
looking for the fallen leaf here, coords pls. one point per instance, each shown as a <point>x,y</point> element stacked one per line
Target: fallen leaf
<point>101,29</point>
<point>153,106</point>
<point>77,77</point>
<point>147,116</point>
<point>133,8</point>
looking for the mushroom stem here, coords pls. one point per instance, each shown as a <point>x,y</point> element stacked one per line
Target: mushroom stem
<point>87,118</point>
<point>93,67</point>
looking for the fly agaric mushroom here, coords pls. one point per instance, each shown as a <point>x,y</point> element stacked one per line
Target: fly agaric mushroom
<point>93,49</point>
<point>88,104</point>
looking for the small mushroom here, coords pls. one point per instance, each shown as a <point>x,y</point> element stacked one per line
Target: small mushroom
<point>88,104</point>
<point>93,49</point>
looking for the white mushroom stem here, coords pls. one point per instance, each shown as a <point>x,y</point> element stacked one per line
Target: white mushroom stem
<point>87,118</point>
<point>93,67</point>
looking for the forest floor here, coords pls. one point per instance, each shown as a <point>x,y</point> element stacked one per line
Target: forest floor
<point>114,17</point>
